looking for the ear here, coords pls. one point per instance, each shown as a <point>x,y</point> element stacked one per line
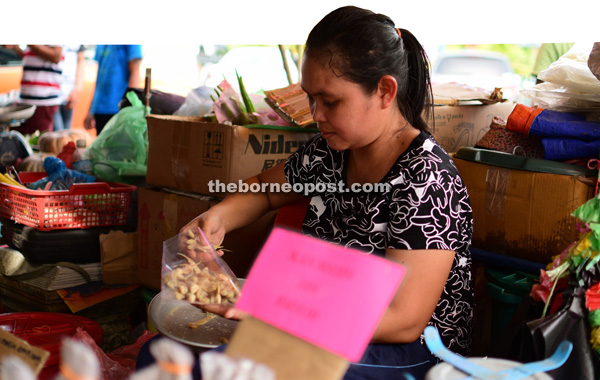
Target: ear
<point>386,89</point>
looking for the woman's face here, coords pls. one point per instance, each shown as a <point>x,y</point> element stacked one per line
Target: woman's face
<point>346,116</point>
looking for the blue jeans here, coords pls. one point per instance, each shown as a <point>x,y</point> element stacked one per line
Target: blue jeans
<point>62,118</point>
<point>393,362</point>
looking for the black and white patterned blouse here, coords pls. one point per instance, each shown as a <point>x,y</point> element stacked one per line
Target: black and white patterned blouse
<point>426,206</point>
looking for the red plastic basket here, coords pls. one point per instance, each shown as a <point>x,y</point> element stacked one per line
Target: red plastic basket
<point>84,205</point>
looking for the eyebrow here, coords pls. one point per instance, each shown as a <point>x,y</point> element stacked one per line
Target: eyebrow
<point>320,93</point>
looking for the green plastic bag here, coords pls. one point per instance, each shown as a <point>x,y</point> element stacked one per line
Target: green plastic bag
<point>120,152</point>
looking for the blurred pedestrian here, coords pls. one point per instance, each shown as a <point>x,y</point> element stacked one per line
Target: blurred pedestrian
<point>118,68</point>
<point>40,84</point>
<point>71,85</point>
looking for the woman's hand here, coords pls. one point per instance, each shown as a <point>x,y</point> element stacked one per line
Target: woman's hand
<point>212,227</point>
<point>227,312</point>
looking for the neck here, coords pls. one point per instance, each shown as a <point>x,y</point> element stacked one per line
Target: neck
<point>371,163</point>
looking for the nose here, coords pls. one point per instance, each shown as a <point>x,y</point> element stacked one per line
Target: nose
<point>317,114</point>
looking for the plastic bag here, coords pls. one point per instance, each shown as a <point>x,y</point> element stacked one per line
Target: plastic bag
<point>118,364</point>
<point>569,84</point>
<point>174,361</point>
<point>13,367</point>
<point>193,271</point>
<point>219,366</point>
<point>197,103</point>
<point>78,361</point>
<point>120,152</point>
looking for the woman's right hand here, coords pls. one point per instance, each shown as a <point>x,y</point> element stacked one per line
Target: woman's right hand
<point>212,227</point>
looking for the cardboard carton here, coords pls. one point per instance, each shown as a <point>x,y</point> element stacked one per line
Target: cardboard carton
<point>162,213</point>
<point>522,213</point>
<point>464,125</point>
<point>288,356</point>
<point>185,153</point>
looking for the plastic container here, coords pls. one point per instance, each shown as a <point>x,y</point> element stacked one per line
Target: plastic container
<point>83,205</point>
<point>82,161</point>
<point>507,289</point>
<point>46,330</point>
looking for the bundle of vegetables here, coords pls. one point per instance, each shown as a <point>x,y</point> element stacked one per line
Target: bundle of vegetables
<point>228,108</point>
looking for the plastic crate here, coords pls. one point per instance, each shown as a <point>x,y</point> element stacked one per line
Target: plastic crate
<point>84,205</point>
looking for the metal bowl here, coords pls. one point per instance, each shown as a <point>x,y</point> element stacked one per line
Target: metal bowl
<point>18,112</point>
<point>171,318</point>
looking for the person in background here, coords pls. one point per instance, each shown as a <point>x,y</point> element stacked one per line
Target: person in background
<point>548,53</point>
<point>71,85</point>
<point>368,88</point>
<point>118,68</point>
<point>40,84</point>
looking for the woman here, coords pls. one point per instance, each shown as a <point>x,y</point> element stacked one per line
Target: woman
<point>368,87</point>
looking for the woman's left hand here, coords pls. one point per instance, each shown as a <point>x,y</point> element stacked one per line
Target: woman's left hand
<point>228,312</point>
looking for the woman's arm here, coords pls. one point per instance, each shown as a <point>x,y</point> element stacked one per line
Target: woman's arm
<point>240,209</point>
<point>417,297</point>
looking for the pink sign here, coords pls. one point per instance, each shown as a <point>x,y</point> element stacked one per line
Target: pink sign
<point>328,295</point>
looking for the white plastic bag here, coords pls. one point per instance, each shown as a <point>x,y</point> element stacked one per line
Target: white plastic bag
<point>14,368</point>
<point>77,361</point>
<point>197,102</point>
<point>569,85</point>
<point>219,366</point>
<point>174,361</point>
<point>572,72</point>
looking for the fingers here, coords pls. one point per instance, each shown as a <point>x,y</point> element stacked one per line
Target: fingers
<point>235,314</point>
<point>227,312</point>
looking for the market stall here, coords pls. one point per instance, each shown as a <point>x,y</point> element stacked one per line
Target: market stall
<point>87,251</point>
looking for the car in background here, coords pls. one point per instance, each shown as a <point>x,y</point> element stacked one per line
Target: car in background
<point>261,68</point>
<point>477,68</point>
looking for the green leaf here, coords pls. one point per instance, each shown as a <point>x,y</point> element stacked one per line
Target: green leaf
<point>245,97</point>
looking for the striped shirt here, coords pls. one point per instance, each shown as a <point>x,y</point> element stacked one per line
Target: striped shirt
<point>40,83</point>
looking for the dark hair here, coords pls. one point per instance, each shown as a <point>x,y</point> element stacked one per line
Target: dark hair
<point>363,46</point>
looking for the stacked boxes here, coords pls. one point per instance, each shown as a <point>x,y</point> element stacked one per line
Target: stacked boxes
<point>186,153</point>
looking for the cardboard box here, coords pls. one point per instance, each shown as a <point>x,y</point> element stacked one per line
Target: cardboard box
<point>162,213</point>
<point>522,213</point>
<point>464,125</point>
<point>288,356</point>
<point>185,153</point>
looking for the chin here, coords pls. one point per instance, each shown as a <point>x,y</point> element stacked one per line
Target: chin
<point>337,146</point>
